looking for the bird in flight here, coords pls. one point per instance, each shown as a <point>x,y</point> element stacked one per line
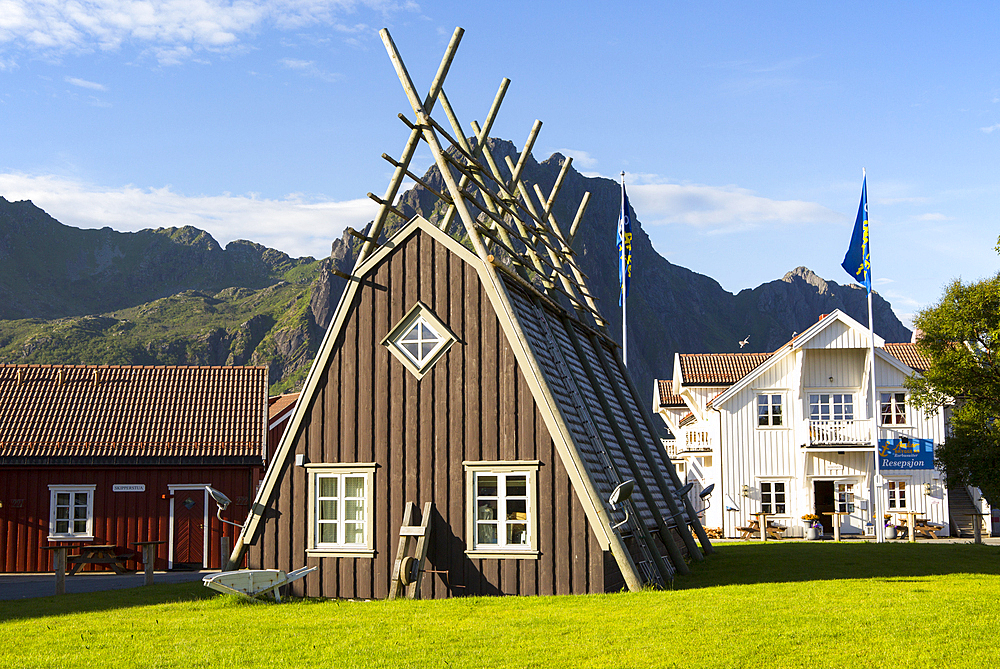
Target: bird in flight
<point>745,341</point>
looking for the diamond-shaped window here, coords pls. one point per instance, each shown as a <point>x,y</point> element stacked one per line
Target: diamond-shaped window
<point>419,340</point>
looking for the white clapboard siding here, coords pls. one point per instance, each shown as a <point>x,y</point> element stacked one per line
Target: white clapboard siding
<point>838,335</point>
<point>846,367</point>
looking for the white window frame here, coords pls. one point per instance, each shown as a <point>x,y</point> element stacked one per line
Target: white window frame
<point>72,490</point>
<point>362,549</point>
<point>502,469</point>
<point>830,405</point>
<point>782,414</point>
<point>895,407</point>
<point>420,312</point>
<point>893,485</point>
<point>771,493</point>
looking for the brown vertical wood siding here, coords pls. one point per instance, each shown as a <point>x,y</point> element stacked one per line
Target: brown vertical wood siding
<point>119,517</point>
<point>473,405</point>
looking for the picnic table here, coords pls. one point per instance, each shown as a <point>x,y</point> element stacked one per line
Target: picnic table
<point>915,525</point>
<point>754,527</point>
<point>99,554</point>
<point>835,520</point>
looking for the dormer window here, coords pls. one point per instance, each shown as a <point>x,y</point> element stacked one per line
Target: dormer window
<point>419,340</point>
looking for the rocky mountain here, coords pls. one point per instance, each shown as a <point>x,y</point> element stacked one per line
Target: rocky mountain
<point>175,296</point>
<point>51,270</point>
<point>672,309</point>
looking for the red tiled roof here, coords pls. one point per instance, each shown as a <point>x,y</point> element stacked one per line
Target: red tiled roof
<point>718,369</point>
<point>687,420</point>
<point>279,404</point>
<point>667,398</point>
<point>908,355</point>
<point>131,411</point>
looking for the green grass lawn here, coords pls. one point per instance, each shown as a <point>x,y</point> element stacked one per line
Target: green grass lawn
<point>750,605</point>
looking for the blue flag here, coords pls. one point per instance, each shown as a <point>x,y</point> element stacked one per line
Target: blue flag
<point>858,262</point>
<point>624,248</point>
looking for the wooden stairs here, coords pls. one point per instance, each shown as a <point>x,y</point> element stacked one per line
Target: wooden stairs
<point>960,505</point>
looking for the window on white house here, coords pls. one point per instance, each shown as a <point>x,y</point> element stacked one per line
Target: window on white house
<point>769,412</point>
<point>843,495</point>
<point>71,512</point>
<point>897,494</point>
<point>831,406</point>
<point>502,520</point>
<point>772,497</point>
<point>419,340</point>
<point>340,508</point>
<point>893,408</point>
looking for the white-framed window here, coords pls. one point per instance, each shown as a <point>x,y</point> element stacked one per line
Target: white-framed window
<point>897,493</point>
<point>502,516</point>
<point>831,406</point>
<point>340,509</point>
<point>843,496</point>
<point>71,512</point>
<point>774,497</point>
<point>419,340</point>
<point>770,410</point>
<point>892,408</point>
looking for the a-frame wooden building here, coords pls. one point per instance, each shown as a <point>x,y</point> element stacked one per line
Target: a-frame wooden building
<point>471,404</point>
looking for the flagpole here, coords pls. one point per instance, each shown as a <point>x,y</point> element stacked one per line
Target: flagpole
<point>621,273</point>
<point>877,502</point>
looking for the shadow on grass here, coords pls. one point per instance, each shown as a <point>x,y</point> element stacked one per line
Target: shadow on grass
<point>86,602</point>
<point>773,562</point>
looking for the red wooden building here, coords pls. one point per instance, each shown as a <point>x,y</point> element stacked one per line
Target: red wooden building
<point>114,455</point>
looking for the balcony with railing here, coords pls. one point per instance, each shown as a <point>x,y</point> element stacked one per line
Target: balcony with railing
<point>845,433</point>
<point>694,441</point>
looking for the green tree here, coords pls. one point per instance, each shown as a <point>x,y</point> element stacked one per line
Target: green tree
<point>961,337</point>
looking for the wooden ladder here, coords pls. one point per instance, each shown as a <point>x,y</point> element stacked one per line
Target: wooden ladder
<point>408,571</point>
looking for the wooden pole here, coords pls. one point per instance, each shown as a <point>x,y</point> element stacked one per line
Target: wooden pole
<point>412,141</point>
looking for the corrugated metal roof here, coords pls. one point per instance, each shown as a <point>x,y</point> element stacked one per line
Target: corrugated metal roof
<point>718,369</point>
<point>908,355</point>
<point>131,411</point>
<point>667,398</point>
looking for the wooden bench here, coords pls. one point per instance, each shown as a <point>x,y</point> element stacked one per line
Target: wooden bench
<point>775,530</point>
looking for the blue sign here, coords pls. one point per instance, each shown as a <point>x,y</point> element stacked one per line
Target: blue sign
<point>906,453</point>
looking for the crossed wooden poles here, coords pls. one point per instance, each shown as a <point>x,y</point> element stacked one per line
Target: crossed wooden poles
<point>510,216</point>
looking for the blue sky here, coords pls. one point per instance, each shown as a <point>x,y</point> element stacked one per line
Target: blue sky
<point>743,128</point>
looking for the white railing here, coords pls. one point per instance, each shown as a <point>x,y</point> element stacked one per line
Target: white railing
<point>695,440</point>
<point>670,446</point>
<point>823,432</point>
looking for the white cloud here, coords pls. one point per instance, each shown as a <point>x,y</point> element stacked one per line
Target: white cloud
<point>580,158</point>
<point>293,225</point>
<point>719,209</point>
<point>171,30</point>
<point>991,128</point>
<point>933,217</point>
<point>83,83</point>
<point>310,69</point>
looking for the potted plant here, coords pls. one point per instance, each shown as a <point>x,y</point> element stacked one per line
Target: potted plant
<point>890,528</point>
<point>813,526</point>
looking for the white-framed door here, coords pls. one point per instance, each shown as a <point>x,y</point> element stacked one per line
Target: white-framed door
<point>188,524</point>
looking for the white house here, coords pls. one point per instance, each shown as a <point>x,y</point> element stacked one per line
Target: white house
<point>789,432</point>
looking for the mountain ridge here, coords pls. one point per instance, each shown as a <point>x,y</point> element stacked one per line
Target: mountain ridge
<point>175,296</point>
